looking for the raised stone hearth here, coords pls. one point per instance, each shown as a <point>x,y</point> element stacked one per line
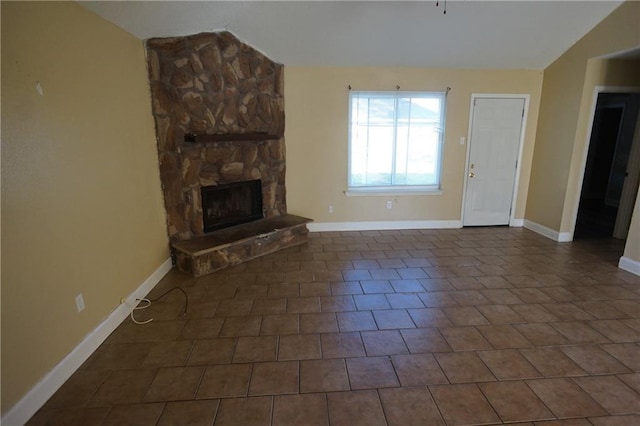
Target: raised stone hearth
<point>218,106</point>
<point>230,246</point>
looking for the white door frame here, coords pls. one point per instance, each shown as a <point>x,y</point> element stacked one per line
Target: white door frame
<point>514,196</point>
<point>583,164</point>
<point>632,179</point>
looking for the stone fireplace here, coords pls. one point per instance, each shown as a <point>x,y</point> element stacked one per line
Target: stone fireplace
<point>218,106</point>
<point>231,204</point>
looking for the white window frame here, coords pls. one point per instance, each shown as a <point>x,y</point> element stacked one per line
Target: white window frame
<point>397,189</point>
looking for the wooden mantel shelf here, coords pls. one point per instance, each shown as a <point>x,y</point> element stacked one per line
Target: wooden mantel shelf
<point>228,137</point>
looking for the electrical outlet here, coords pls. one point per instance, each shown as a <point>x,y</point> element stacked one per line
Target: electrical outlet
<point>389,204</point>
<point>330,209</point>
<point>80,302</point>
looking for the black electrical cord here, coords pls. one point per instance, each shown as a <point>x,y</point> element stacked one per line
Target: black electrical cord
<point>186,298</point>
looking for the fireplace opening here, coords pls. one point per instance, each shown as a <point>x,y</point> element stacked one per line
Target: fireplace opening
<point>231,204</point>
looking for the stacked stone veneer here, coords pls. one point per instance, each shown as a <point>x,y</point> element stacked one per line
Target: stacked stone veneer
<point>211,83</point>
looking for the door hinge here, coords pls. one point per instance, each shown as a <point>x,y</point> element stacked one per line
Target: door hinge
<point>522,112</point>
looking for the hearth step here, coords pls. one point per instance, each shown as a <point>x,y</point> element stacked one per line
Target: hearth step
<point>237,244</point>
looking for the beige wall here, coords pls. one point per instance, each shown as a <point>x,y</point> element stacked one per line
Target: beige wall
<point>567,96</point>
<point>316,135</point>
<point>83,211</point>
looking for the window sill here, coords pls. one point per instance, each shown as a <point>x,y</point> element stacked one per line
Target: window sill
<point>390,192</point>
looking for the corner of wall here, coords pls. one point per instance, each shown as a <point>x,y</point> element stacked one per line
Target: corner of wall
<point>629,265</point>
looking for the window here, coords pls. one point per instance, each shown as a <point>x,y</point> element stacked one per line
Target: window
<point>395,140</point>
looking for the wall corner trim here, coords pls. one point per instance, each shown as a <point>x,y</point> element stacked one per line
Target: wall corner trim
<point>516,223</point>
<point>20,413</point>
<point>383,225</point>
<point>561,237</point>
<point>629,265</point>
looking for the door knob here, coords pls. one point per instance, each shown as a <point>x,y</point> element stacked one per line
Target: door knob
<point>472,174</point>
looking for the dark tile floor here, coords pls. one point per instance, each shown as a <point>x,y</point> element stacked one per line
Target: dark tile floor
<point>456,327</point>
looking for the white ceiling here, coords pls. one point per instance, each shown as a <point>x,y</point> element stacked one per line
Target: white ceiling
<point>472,34</point>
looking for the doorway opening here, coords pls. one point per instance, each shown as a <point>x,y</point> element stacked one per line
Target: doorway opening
<point>612,175</point>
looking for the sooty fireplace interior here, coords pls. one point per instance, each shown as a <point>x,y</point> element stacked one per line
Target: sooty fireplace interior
<point>231,204</point>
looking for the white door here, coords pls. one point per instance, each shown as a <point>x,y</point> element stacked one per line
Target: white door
<point>493,154</point>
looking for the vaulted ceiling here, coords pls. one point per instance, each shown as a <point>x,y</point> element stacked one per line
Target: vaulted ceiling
<point>472,33</point>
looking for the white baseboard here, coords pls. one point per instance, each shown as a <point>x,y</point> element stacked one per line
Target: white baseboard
<point>20,413</point>
<point>561,237</point>
<point>516,223</point>
<point>383,225</point>
<point>565,237</point>
<point>629,265</point>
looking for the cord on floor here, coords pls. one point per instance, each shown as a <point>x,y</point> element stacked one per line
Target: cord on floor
<point>149,301</point>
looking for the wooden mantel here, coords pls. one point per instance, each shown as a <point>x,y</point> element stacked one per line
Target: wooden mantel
<point>228,137</point>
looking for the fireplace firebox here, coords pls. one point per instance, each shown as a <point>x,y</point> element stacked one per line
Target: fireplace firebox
<point>231,204</point>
